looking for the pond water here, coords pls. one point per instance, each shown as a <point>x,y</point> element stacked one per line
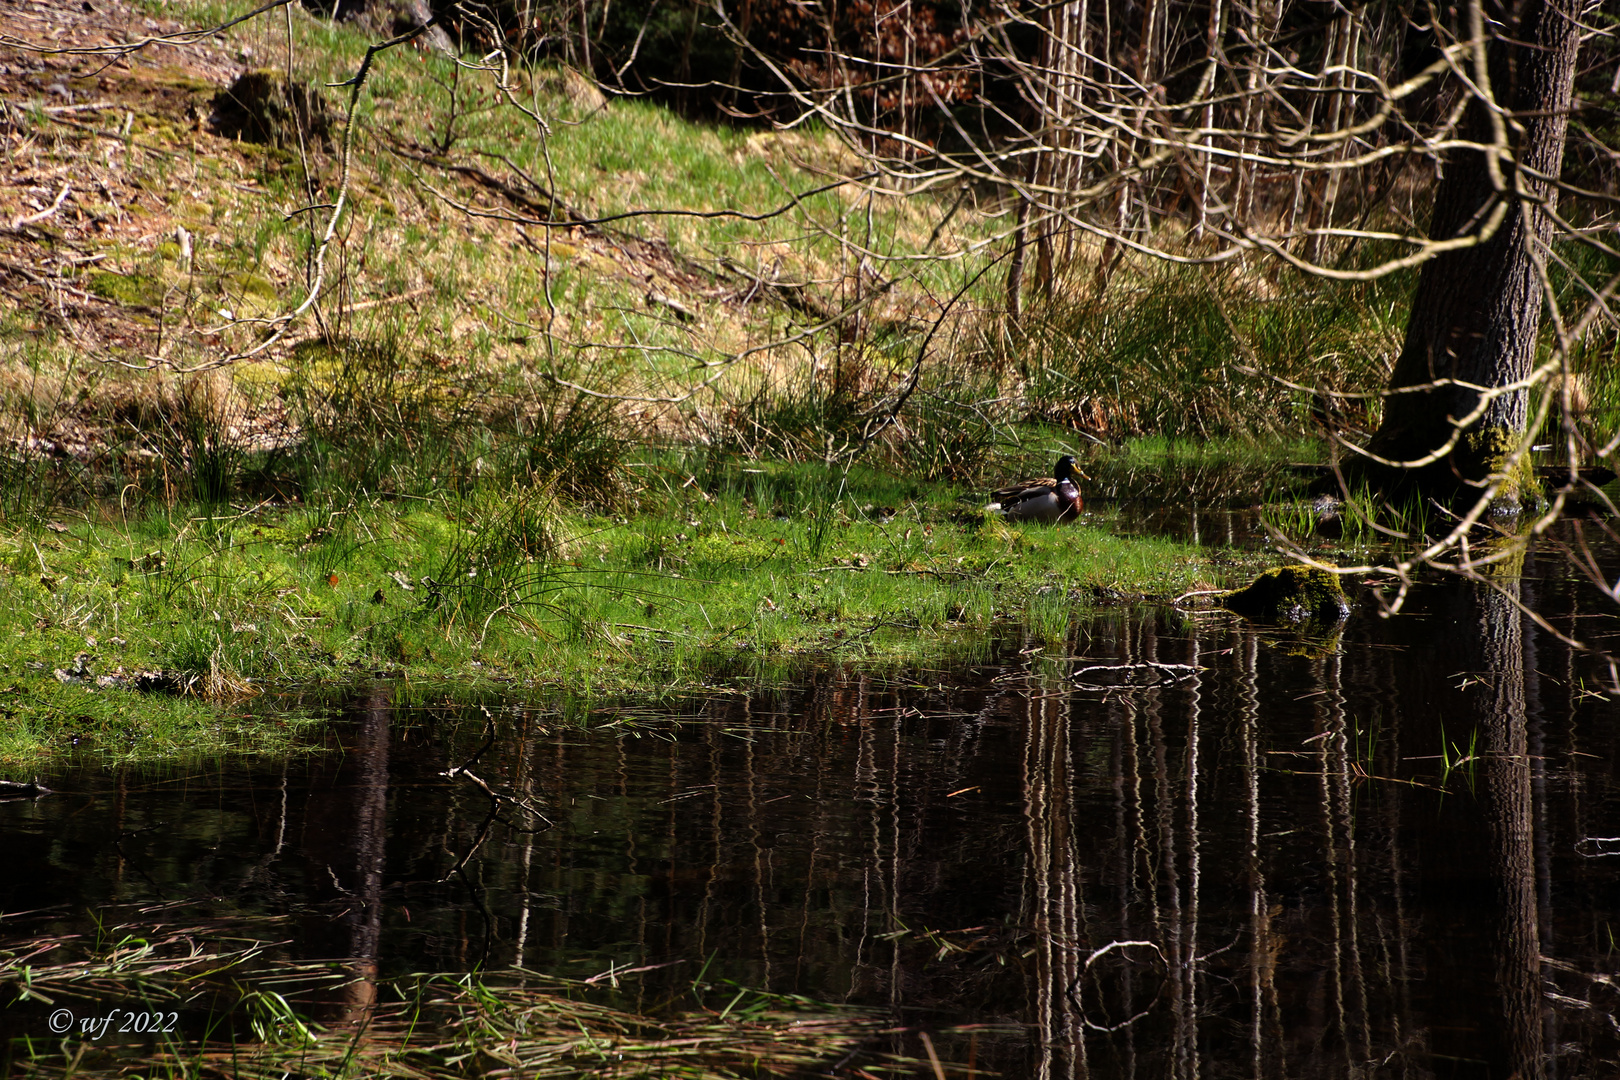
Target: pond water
<point>1388,851</point>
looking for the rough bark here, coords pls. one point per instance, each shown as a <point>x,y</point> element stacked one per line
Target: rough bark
<point>1477,311</point>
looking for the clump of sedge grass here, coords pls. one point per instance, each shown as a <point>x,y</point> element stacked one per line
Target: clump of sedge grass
<point>374,413</point>
<point>1193,351</point>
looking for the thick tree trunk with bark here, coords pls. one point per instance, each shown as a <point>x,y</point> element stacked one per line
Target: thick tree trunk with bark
<point>1477,310</point>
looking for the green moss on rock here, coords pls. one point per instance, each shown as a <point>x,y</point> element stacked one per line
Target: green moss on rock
<point>1293,594</point>
<point>132,290</point>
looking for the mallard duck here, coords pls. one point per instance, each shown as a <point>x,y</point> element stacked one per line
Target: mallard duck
<point>1050,499</point>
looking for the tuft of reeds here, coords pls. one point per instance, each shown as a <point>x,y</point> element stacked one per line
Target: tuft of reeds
<point>503,560</point>
<point>528,1024</point>
<point>376,414</point>
<point>950,424</point>
<point>1185,351</point>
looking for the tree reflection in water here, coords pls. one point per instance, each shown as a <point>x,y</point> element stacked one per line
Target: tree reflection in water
<point>1281,860</point>
<point>341,840</point>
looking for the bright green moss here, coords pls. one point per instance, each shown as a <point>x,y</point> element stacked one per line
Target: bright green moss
<point>1295,594</point>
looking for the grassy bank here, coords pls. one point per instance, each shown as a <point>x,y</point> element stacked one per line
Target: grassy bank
<point>489,261</point>
<point>661,451</point>
<point>510,244</point>
<point>139,633</point>
<point>589,395</point>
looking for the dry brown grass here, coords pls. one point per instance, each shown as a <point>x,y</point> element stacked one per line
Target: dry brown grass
<point>178,242</point>
<point>146,401</point>
<point>26,398</point>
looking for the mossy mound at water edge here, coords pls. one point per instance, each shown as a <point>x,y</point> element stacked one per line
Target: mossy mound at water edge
<point>1294,594</point>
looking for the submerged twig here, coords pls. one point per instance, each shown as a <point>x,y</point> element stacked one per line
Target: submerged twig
<point>1139,676</point>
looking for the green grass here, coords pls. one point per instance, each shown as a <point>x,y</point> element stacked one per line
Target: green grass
<point>631,157</point>
<point>469,328</point>
<point>474,321</point>
<point>708,569</point>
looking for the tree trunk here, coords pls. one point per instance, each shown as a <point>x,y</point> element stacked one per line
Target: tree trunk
<point>1477,310</point>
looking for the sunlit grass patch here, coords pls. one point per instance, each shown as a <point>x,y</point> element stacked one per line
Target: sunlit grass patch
<point>1197,352</point>
<point>439,319</point>
<point>704,563</point>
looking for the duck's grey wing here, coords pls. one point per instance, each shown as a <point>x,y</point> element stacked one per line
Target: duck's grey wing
<point>1029,489</point>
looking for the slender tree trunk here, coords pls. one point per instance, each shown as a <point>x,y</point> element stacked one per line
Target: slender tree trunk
<point>1341,51</point>
<point>585,40</point>
<point>1015,265</point>
<point>1477,310</point>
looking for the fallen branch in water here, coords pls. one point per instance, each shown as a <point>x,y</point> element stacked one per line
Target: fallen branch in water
<point>1158,675</point>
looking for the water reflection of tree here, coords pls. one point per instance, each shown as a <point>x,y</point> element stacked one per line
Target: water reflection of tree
<point>1248,873</point>
<point>1502,715</point>
<point>345,836</point>
<point>1301,924</point>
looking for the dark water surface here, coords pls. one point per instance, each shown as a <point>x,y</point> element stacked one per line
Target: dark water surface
<point>1278,866</point>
